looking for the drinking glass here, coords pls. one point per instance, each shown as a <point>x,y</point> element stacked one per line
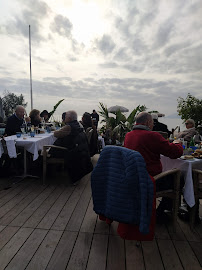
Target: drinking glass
<point>22,129</point>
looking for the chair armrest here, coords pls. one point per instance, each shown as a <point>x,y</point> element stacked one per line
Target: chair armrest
<point>45,147</point>
<point>163,174</point>
<point>197,171</point>
<point>176,176</point>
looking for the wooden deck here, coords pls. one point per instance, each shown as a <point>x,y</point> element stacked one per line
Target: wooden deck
<point>54,227</point>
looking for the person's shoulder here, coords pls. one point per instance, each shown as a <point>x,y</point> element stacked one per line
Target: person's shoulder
<point>11,118</point>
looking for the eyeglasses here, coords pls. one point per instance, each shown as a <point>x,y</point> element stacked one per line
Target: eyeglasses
<point>186,123</point>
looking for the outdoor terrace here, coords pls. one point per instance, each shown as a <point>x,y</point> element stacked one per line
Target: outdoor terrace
<point>54,227</point>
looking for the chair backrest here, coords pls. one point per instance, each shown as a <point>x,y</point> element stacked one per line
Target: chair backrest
<point>122,188</point>
<point>89,133</point>
<point>197,182</point>
<point>92,137</point>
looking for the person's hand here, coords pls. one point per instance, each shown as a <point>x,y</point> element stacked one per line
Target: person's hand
<point>177,141</point>
<point>27,119</point>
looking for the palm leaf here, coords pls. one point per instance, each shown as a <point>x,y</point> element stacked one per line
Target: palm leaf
<point>55,107</point>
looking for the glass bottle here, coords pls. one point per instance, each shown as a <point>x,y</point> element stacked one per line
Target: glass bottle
<point>192,142</point>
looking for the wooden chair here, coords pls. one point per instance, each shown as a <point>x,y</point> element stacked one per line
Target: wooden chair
<point>51,160</point>
<point>197,184</point>
<point>173,194</point>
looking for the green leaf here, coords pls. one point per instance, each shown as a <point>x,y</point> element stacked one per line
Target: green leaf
<point>55,107</point>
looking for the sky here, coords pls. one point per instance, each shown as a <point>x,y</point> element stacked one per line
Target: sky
<point>118,52</point>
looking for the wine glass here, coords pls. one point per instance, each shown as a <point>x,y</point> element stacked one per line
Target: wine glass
<point>22,129</point>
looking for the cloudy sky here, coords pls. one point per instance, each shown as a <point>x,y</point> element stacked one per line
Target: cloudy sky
<point>122,52</point>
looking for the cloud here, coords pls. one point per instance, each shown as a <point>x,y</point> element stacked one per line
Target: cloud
<point>106,45</point>
<point>164,33</point>
<point>62,26</point>
<point>33,12</point>
<point>109,65</point>
<point>175,48</point>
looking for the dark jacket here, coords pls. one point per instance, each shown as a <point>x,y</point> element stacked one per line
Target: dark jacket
<point>77,159</point>
<point>36,123</point>
<point>13,125</point>
<point>161,127</point>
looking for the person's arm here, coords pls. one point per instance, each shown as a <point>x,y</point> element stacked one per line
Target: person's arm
<point>189,135</point>
<point>64,131</point>
<point>164,147</point>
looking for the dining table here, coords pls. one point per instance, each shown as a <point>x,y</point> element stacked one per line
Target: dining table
<point>185,166</point>
<point>29,144</point>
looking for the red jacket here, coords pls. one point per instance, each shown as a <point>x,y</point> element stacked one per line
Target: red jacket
<point>151,145</point>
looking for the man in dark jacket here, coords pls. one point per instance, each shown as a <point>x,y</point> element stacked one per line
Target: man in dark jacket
<point>158,126</point>
<point>74,139</point>
<point>15,121</point>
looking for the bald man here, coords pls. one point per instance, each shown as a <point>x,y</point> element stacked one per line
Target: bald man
<point>151,145</point>
<point>15,121</point>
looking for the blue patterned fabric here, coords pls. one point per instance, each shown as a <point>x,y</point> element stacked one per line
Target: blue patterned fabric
<point>122,189</point>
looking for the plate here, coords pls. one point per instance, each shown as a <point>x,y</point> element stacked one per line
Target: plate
<point>191,158</point>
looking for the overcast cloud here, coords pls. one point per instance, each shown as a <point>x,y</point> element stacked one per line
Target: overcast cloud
<point>116,52</point>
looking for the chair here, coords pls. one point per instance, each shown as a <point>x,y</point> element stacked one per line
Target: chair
<point>107,170</point>
<point>197,183</point>
<point>173,194</point>
<point>51,160</point>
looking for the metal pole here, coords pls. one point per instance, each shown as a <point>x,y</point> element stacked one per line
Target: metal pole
<point>30,68</point>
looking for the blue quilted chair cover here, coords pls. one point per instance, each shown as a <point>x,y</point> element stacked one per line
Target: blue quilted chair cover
<point>122,189</point>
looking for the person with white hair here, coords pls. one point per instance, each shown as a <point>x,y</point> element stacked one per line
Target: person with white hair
<point>158,126</point>
<point>73,137</point>
<point>151,145</point>
<point>15,121</point>
<point>188,133</point>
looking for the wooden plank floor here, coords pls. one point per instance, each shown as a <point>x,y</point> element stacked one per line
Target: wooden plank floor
<point>54,227</point>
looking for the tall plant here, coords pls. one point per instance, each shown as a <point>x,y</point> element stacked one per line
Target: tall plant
<point>55,107</point>
<point>119,125</point>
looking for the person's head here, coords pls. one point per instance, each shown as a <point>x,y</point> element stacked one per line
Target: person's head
<point>154,117</point>
<point>86,119</point>
<point>20,111</point>
<point>45,115</point>
<point>145,119</point>
<point>70,116</point>
<point>189,123</point>
<point>35,114</point>
<point>63,116</point>
<point>94,111</point>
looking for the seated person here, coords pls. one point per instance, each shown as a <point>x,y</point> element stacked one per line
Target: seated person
<point>158,126</point>
<point>151,145</point>
<point>88,125</point>
<point>2,124</point>
<point>74,139</point>
<point>35,118</point>
<point>188,133</point>
<point>45,115</point>
<point>15,121</point>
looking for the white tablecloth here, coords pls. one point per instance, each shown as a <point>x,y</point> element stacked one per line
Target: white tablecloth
<point>31,144</point>
<point>34,144</point>
<point>185,167</point>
